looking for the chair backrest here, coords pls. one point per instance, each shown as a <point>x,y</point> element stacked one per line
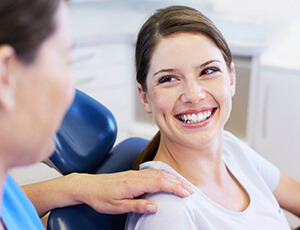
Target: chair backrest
<point>79,217</point>
<point>87,134</point>
<point>84,144</point>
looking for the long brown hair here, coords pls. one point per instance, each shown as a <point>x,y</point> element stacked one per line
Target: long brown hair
<point>163,23</point>
<point>25,24</point>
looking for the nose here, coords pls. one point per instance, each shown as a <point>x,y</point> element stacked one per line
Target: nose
<point>193,93</point>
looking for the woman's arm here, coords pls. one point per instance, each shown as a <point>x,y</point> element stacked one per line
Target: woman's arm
<point>287,194</point>
<point>106,193</point>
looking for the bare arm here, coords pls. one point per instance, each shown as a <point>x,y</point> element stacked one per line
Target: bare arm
<point>106,193</point>
<point>288,194</point>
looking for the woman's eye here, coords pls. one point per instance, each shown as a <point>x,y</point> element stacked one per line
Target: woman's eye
<point>209,71</point>
<point>166,79</point>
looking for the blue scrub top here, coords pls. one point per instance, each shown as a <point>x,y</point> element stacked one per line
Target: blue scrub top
<point>17,210</point>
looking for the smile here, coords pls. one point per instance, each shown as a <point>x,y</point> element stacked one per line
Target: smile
<point>195,118</point>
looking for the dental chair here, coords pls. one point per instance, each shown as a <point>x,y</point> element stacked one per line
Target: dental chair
<point>84,144</point>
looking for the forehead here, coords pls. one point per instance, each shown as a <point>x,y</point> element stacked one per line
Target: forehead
<point>185,46</point>
<point>61,37</point>
<point>61,19</point>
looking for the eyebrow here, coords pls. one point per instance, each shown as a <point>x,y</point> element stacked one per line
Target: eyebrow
<point>208,62</point>
<point>164,71</point>
<point>176,70</point>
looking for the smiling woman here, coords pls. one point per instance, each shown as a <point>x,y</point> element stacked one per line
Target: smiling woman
<point>186,79</point>
<point>165,25</point>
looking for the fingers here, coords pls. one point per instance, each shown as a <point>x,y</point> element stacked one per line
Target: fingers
<point>175,185</point>
<point>114,193</point>
<point>161,180</point>
<point>139,206</point>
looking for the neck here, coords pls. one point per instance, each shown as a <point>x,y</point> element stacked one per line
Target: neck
<point>205,160</point>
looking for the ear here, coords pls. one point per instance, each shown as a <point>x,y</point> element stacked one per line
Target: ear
<point>7,83</point>
<point>232,79</point>
<point>143,97</point>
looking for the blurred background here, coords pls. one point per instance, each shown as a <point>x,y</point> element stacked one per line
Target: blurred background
<point>264,38</point>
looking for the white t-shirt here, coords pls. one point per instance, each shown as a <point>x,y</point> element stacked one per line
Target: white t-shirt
<point>258,177</point>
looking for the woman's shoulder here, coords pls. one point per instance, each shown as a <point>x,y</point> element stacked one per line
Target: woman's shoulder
<point>231,138</point>
<point>249,161</point>
<point>169,200</point>
<point>236,146</point>
<point>166,201</point>
<point>173,212</point>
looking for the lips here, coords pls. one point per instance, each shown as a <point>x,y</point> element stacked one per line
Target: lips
<point>194,118</point>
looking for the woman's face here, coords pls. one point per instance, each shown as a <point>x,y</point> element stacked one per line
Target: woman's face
<point>189,89</point>
<point>44,92</point>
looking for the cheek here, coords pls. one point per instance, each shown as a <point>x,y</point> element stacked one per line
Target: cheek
<point>225,99</point>
<point>60,94</point>
<point>68,87</point>
<point>64,83</point>
<point>163,102</point>
<point>224,90</point>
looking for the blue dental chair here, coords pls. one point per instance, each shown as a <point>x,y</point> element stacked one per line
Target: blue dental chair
<point>84,143</point>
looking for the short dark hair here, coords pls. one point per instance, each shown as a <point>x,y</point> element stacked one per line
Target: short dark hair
<point>25,24</point>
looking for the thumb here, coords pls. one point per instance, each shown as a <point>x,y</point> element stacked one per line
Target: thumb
<point>141,206</point>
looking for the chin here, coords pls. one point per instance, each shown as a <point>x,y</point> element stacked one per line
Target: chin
<point>46,151</point>
<point>50,149</point>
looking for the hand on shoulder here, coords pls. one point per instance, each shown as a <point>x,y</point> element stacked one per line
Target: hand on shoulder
<point>115,193</point>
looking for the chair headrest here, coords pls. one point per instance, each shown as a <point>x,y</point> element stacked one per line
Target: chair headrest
<point>86,136</point>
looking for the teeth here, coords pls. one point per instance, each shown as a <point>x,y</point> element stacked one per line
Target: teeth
<point>194,118</point>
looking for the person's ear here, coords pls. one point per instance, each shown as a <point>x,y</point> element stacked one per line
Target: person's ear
<point>144,99</point>
<point>232,75</point>
<point>7,82</point>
